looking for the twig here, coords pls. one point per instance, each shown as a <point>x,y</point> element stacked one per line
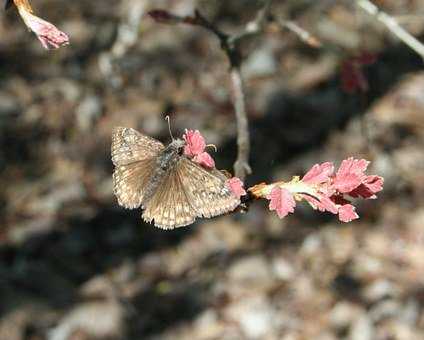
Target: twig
<point>303,34</point>
<point>393,26</point>
<point>230,44</point>
<point>255,26</point>
<point>241,165</point>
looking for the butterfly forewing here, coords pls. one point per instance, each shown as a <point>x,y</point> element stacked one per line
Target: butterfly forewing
<point>128,145</point>
<point>130,180</point>
<point>133,155</point>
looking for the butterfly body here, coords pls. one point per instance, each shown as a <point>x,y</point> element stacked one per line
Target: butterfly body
<point>171,188</point>
<point>166,161</point>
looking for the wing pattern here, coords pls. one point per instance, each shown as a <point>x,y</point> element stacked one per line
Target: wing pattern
<point>207,189</point>
<point>170,207</point>
<point>189,191</point>
<point>186,191</point>
<point>133,155</point>
<point>129,145</point>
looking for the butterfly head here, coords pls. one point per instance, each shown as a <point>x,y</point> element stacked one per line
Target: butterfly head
<point>177,145</point>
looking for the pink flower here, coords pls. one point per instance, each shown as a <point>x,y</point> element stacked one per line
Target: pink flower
<point>195,149</point>
<point>368,188</point>
<point>347,213</point>
<point>350,174</point>
<point>195,143</point>
<point>205,160</point>
<point>323,189</point>
<point>236,186</point>
<point>48,34</point>
<point>319,173</point>
<point>322,203</point>
<point>282,201</point>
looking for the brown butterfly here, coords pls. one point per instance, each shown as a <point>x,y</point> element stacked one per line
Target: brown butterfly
<point>171,188</point>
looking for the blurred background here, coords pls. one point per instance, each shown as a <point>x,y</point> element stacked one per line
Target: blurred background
<point>75,265</point>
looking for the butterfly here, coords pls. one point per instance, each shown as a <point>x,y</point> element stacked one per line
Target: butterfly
<point>172,189</point>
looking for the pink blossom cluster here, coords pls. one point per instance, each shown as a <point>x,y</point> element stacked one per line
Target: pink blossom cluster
<point>195,149</point>
<point>326,190</point>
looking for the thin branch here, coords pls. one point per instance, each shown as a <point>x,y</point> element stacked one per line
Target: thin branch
<point>303,34</point>
<point>393,26</point>
<point>255,26</point>
<point>241,165</point>
<point>230,44</point>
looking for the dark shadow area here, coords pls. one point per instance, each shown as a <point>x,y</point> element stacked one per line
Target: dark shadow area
<point>51,266</point>
<point>158,311</point>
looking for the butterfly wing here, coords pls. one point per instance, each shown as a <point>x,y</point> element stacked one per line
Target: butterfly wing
<point>207,189</point>
<point>134,156</point>
<point>129,145</point>
<point>189,191</point>
<point>169,207</point>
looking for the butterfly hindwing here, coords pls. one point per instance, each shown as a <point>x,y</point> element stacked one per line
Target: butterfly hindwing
<point>133,155</point>
<point>170,207</point>
<point>129,182</point>
<point>207,189</point>
<point>189,191</point>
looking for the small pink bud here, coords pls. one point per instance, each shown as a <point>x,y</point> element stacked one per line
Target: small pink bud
<point>195,143</point>
<point>347,213</point>
<point>48,34</point>
<point>164,17</point>
<point>205,160</point>
<point>236,186</point>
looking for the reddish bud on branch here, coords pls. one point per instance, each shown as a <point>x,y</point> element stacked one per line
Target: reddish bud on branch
<point>48,34</point>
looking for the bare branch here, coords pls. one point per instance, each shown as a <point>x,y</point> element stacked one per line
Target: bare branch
<point>303,34</point>
<point>230,44</point>
<point>255,26</point>
<point>392,25</point>
<point>241,165</point>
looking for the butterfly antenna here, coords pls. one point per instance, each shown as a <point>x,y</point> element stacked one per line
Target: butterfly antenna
<point>212,146</point>
<point>169,126</point>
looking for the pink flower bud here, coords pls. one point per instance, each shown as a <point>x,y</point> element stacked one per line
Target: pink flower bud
<point>205,160</point>
<point>48,34</point>
<point>236,186</point>
<point>195,143</point>
<point>347,213</point>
